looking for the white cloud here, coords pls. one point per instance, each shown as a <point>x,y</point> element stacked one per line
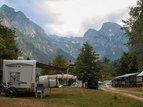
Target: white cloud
<point>73,17</point>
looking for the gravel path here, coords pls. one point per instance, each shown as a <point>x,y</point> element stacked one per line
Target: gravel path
<point>131,94</point>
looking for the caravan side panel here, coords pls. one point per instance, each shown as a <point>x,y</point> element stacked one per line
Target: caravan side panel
<point>19,73</point>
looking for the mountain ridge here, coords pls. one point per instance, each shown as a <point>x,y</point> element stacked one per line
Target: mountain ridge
<point>108,42</point>
<point>35,43</point>
<point>30,37</point>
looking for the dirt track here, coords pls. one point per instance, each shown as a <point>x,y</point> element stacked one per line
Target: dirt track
<point>131,94</point>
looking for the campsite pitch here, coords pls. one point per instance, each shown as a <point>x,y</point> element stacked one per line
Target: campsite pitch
<point>72,97</point>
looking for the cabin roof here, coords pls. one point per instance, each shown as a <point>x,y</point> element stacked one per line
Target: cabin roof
<point>140,74</point>
<point>126,75</point>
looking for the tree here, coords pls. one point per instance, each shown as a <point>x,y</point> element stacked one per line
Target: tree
<point>127,64</point>
<point>85,66</point>
<point>106,71</point>
<point>8,48</point>
<point>134,29</point>
<point>59,61</point>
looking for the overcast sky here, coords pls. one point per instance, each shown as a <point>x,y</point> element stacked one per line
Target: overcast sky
<point>72,17</point>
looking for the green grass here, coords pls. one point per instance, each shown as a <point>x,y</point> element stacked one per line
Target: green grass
<point>72,97</point>
<point>89,98</point>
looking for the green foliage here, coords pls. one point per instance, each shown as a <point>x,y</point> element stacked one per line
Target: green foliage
<point>134,29</point>
<point>8,49</point>
<point>7,43</point>
<point>46,71</point>
<point>86,67</point>
<point>106,71</point>
<point>59,61</point>
<point>127,64</point>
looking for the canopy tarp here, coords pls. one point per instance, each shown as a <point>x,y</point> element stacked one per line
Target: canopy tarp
<point>46,66</point>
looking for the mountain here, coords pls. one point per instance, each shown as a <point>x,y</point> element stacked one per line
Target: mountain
<point>108,42</point>
<point>34,43</point>
<point>31,39</point>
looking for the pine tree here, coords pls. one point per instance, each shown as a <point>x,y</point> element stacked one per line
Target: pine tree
<point>85,66</point>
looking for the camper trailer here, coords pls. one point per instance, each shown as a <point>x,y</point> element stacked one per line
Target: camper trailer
<point>19,76</point>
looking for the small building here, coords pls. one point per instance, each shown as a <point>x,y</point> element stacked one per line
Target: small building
<point>126,80</point>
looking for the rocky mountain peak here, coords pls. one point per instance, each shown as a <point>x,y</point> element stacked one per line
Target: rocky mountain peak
<point>90,34</point>
<point>6,8</point>
<point>8,11</point>
<point>109,27</point>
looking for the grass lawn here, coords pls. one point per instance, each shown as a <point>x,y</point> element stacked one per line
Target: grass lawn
<point>72,97</point>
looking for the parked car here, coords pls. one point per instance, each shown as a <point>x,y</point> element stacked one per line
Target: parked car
<point>77,84</point>
<point>92,84</point>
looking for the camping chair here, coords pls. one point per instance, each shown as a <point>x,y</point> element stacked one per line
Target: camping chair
<point>39,90</point>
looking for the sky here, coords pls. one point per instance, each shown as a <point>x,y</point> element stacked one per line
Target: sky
<point>72,17</point>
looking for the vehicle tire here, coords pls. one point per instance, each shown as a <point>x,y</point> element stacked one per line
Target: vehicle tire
<point>0,89</point>
<point>11,92</point>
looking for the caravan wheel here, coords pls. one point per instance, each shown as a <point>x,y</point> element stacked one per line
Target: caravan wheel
<point>11,92</point>
<point>0,88</point>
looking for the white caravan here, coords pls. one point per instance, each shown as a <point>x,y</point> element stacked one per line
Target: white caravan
<point>19,75</point>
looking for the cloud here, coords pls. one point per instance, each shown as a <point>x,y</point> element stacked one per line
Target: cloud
<point>76,16</point>
<point>94,23</point>
<point>73,17</point>
<point>97,22</point>
<point>119,16</point>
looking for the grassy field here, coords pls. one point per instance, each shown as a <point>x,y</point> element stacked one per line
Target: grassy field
<point>72,97</point>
